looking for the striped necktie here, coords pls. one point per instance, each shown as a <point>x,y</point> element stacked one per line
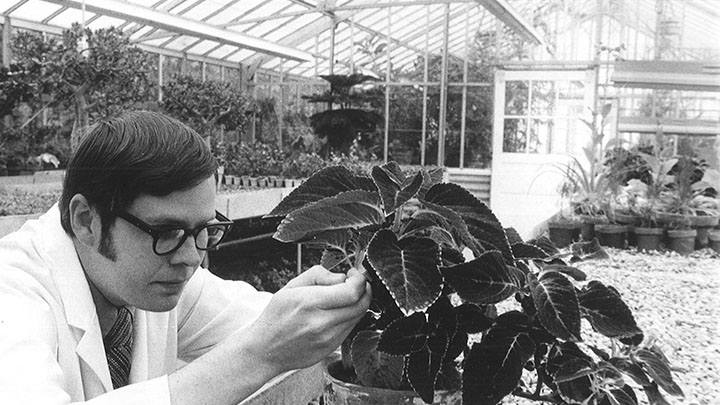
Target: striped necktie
<point>118,348</point>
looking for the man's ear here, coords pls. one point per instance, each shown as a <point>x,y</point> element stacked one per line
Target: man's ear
<point>85,221</point>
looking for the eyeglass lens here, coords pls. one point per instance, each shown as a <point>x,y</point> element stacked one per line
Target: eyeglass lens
<point>206,238</point>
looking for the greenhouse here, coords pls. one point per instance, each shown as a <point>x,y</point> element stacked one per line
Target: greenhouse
<point>532,133</point>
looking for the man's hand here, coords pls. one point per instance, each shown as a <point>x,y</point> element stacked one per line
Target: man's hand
<point>303,322</point>
<point>309,318</point>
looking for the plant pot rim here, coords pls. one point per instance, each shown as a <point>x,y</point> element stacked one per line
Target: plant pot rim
<point>392,394</point>
<point>639,230</point>
<point>610,228</point>
<point>564,223</point>
<point>682,233</point>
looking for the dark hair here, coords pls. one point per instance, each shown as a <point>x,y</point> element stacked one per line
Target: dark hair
<point>136,153</point>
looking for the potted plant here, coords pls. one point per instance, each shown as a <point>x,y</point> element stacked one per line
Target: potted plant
<point>644,198</point>
<point>588,182</point>
<point>439,260</point>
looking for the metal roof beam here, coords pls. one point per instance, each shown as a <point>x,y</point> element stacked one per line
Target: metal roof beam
<point>510,17</point>
<point>154,18</point>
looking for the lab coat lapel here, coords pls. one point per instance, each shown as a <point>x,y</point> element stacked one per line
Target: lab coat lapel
<point>79,307</point>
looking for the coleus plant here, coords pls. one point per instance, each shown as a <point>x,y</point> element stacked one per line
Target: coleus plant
<point>439,261</point>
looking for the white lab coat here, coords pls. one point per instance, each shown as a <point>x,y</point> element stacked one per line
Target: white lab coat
<point>51,349</point>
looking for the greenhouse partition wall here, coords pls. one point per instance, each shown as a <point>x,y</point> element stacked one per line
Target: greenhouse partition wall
<point>435,63</point>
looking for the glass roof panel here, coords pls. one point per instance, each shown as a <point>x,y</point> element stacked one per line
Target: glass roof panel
<point>34,10</point>
<point>70,16</point>
<point>104,22</point>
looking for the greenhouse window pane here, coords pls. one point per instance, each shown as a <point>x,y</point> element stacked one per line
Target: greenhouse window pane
<point>516,97</point>
<point>515,135</point>
<point>543,98</point>
<point>541,135</point>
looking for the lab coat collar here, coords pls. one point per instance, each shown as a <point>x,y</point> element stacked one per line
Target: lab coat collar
<point>72,284</point>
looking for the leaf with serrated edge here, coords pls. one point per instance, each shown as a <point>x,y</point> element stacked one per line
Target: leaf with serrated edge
<point>481,221</point>
<point>573,380</point>
<point>351,209</point>
<point>451,222</point>
<point>408,268</point>
<point>656,367</point>
<point>375,368</point>
<point>557,305</point>
<point>607,312</point>
<point>404,336</point>
<point>571,271</point>
<point>393,192</point>
<point>324,183</point>
<point>494,366</point>
<point>485,280</point>
<point>526,251</point>
<point>633,370</point>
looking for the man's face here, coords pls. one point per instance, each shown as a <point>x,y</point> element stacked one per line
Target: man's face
<point>140,278</point>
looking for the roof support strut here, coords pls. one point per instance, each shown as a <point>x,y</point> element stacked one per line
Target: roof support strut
<point>174,23</point>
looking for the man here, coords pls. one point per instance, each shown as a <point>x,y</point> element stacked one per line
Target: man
<point>102,299</point>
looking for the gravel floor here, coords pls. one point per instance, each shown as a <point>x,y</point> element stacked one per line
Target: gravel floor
<point>676,299</point>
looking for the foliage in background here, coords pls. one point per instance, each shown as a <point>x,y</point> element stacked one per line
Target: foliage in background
<point>206,106</point>
<point>93,73</point>
<point>352,121</point>
<point>21,203</point>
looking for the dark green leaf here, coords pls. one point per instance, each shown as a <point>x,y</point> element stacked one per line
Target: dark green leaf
<point>573,380</point>
<point>331,260</point>
<point>408,268</point>
<point>524,251</point>
<point>624,396</point>
<point>658,369</point>
<point>471,318</point>
<point>430,179</point>
<point>607,312</point>
<point>405,335</point>
<point>545,244</point>
<point>633,370</point>
<point>587,251</point>
<point>571,271</point>
<point>654,395</point>
<point>485,280</point>
<point>480,220</point>
<point>375,368</point>
<point>494,366</point>
<point>327,182</point>
<point>393,190</point>
<point>557,305</point>
<point>351,209</point>
<point>513,236</point>
<point>450,221</point>
<point>421,370</point>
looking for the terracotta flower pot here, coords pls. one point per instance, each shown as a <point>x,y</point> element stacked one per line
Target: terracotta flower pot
<point>587,230</point>
<point>648,239</point>
<point>611,235</point>
<point>563,232</point>
<point>682,240</point>
<point>714,240</point>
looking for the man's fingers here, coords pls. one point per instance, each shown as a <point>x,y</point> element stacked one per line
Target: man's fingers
<point>349,293</point>
<point>316,275</point>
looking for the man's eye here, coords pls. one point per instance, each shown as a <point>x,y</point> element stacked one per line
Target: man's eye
<point>171,234</point>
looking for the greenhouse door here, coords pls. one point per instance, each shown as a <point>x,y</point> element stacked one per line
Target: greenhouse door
<point>536,124</point>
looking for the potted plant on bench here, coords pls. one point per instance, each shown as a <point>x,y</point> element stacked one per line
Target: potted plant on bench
<point>439,261</point>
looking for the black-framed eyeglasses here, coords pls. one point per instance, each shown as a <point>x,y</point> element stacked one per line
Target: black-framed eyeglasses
<point>168,239</point>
